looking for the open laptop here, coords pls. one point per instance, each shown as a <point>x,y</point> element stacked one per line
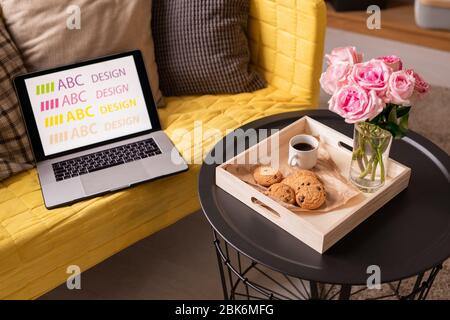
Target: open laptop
<point>94,128</point>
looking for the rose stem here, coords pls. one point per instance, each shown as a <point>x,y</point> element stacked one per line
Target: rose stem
<point>357,154</point>
<point>368,168</point>
<point>381,166</point>
<point>374,170</point>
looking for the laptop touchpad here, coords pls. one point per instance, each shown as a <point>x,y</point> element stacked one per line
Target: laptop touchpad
<point>113,178</point>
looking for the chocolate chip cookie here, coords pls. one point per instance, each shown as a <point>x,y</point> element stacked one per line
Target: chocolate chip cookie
<point>301,178</point>
<point>310,196</point>
<point>282,192</point>
<point>267,176</point>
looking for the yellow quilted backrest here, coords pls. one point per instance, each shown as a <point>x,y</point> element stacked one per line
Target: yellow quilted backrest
<point>286,42</point>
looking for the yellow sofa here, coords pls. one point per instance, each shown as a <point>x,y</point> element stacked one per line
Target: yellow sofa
<point>37,245</point>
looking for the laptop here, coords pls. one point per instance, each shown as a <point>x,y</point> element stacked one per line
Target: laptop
<point>94,128</point>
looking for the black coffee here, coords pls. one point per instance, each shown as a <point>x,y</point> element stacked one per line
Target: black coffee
<point>302,146</point>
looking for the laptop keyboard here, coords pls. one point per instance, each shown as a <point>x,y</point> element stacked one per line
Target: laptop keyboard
<point>105,159</point>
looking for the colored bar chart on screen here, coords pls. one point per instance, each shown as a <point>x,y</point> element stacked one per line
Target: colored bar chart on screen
<point>60,137</point>
<point>54,120</point>
<point>45,88</point>
<point>49,104</point>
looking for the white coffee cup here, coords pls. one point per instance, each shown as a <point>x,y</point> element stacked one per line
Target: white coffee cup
<point>303,150</point>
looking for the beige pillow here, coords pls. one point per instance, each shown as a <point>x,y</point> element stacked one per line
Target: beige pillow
<point>39,29</point>
<point>15,150</point>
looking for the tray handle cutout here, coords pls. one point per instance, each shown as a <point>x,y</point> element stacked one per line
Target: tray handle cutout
<point>342,144</point>
<point>265,207</point>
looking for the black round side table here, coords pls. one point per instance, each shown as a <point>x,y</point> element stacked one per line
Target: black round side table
<point>408,237</point>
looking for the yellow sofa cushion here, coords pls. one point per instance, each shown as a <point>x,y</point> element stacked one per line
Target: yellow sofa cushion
<point>37,245</point>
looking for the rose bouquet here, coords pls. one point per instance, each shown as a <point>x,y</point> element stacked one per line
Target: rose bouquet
<point>376,96</point>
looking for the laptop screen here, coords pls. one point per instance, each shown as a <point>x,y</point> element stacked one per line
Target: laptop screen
<point>86,105</point>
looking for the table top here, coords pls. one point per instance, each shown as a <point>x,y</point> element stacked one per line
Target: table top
<point>407,236</point>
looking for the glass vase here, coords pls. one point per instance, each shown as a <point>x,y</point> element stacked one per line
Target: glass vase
<point>371,146</point>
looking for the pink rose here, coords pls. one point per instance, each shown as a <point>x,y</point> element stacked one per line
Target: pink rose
<point>344,54</point>
<point>355,104</point>
<point>372,75</point>
<point>401,87</point>
<point>335,76</point>
<point>421,86</point>
<point>392,61</point>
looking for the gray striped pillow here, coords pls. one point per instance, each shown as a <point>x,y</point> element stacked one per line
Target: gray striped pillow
<point>15,150</point>
<point>201,47</point>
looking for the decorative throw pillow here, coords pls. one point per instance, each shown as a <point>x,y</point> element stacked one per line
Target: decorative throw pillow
<point>201,47</point>
<point>15,150</point>
<point>46,31</point>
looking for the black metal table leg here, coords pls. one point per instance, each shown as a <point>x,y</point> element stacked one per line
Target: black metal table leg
<point>239,275</point>
<point>220,263</point>
<point>314,290</point>
<point>345,292</point>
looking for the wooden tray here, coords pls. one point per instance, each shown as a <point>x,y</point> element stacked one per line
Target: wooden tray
<point>318,230</point>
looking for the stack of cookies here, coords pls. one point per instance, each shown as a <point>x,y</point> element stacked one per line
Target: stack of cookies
<point>302,187</point>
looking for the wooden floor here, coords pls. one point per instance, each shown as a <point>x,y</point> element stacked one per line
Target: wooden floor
<point>179,262</point>
<point>397,23</point>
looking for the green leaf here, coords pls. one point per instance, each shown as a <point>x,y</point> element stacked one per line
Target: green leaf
<point>392,117</point>
<point>394,129</point>
<point>403,124</point>
<point>401,111</point>
<point>378,119</point>
<point>387,111</point>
